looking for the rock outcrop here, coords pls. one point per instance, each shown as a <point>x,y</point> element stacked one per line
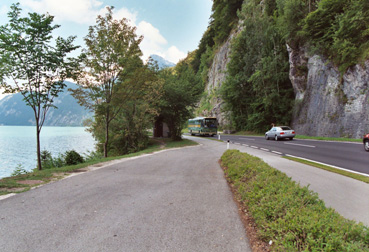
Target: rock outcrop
<point>216,76</point>
<point>327,102</point>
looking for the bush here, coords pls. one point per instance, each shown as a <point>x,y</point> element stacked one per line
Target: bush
<point>294,218</point>
<point>49,162</point>
<point>72,158</point>
<point>19,170</point>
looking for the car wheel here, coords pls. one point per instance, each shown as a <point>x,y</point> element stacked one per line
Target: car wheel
<point>266,137</point>
<point>366,145</point>
<point>291,138</point>
<point>276,138</point>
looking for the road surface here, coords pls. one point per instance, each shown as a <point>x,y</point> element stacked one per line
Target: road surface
<point>175,200</point>
<point>347,155</point>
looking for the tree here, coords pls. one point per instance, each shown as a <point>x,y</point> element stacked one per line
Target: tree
<point>30,65</point>
<point>112,51</point>
<point>128,132</point>
<point>181,91</point>
<point>257,90</point>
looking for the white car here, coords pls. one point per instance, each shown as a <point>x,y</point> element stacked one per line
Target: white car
<point>280,132</point>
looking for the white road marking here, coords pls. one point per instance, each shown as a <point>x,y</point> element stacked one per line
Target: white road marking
<point>255,147</point>
<point>264,149</point>
<point>333,166</point>
<point>303,145</point>
<point>245,145</point>
<point>276,152</point>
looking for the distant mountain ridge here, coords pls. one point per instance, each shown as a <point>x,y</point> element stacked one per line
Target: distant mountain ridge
<point>162,63</point>
<point>14,111</point>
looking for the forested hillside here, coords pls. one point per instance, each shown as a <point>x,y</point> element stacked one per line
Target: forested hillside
<point>262,84</point>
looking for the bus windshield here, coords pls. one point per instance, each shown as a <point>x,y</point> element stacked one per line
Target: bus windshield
<point>211,123</point>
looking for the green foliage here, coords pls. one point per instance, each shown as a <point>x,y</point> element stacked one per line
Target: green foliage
<point>141,91</point>
<point>257,89</point>
<point>293,217</point>
<point>106,76</point>
<point>340,30</point>
<point>49,162</point>
<point>224,18</point>
<point>31,65</point>
<point>19,170</point>
<point>181,91</point>
<point>72,158</point>
<point>206,42</point>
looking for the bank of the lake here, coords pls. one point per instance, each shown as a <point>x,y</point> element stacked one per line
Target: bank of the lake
<point>18,144</point>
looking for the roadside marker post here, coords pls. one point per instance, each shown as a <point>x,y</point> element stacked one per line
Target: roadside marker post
<point>218,136</point>
<point>228,144</point>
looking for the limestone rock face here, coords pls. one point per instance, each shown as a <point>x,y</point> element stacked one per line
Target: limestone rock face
<point>216,77</point>
<point>327,104</point>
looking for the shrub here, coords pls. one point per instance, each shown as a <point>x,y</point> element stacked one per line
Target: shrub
<point>72,158</point>
<point>49,162</point>
<point>293,217</point>
<point>46,159</point>
<point>19,170</point>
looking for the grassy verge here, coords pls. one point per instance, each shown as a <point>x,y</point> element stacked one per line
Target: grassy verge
<point>331,169</point>
<point>339,139</point>
<point>291,216</point>
<point>24,182</point>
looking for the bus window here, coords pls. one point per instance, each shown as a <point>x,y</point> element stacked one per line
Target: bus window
<point>211,123</point>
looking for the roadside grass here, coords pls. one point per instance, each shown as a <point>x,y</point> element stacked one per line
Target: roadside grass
<point>331,169</point>
<point>25,182</point>
<point>338,139</point>
<point>286,215</point>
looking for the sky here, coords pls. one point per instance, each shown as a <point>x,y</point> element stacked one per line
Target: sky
<point>171,28</point>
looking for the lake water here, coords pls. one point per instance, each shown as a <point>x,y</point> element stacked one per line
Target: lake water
<point>18,145</point>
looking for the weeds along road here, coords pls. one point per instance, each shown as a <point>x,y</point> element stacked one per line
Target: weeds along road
<point>175,200</point>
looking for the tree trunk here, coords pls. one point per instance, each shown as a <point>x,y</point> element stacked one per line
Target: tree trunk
<point>106,139</point>
<point>39,165</point>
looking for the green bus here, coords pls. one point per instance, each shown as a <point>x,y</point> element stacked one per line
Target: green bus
<point>203,126</point>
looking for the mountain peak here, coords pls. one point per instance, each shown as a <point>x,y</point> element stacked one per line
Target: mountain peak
<point>162,63</point>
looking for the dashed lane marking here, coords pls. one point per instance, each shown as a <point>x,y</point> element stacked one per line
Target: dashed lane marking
<point>303,145</point>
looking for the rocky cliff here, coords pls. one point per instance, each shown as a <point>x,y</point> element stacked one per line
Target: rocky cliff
<point>216,77</point>
<point>327,102</point>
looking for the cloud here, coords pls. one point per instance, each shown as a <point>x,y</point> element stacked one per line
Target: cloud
<point>3,10</point>
<point>173,54</point>
<point>155,43</point>
<point>84,12</point>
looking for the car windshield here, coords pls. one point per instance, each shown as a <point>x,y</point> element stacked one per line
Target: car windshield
<point>285,128</point>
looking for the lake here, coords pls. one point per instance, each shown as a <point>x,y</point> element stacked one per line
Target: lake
<point>18,145</point>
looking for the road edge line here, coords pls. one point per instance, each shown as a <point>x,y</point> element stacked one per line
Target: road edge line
<point>332,166</point>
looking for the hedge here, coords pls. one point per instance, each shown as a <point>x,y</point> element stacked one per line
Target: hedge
<point>291,216</point>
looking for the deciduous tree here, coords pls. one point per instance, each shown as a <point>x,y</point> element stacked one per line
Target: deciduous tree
<point>31,65</point>
<point>112,50</point>
<point>181,91</point>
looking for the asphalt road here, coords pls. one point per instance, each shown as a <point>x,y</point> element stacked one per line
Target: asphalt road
<point>176,200</point>
<point>347,155</point>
